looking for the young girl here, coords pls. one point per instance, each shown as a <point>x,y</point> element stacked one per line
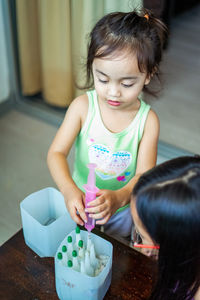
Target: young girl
<point>166,212</point>
<point>112,126</point>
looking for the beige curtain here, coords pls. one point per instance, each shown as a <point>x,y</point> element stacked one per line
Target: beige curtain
<point>52,42</point>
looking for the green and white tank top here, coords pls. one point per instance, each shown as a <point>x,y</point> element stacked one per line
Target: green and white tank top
<point>115,154</point>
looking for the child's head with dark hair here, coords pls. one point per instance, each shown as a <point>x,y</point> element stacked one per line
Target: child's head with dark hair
<point>166,200</point>
<point>141,35</point>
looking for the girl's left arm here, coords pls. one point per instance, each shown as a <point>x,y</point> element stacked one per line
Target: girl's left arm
<point>147,154</point>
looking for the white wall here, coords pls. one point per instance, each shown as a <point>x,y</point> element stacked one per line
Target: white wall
<point>4,72</point>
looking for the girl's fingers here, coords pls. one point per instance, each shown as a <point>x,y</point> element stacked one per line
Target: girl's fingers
<point>99,215</point>
<point>99,193</point>
<point>95,209</point>
<point>97,201</point>
<point>81,211</point>
<point>104,220</point>
<point>75,217</point>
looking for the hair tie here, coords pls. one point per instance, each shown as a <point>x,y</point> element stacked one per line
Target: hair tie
<point>146,16</point>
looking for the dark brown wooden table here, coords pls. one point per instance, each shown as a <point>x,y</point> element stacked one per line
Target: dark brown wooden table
<point>24,275</point>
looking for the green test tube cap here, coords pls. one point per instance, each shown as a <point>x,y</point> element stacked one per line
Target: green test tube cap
<point>64,248</point>
<point>78,229</point>
<point>74,253</point>
<point>69,263</point>
<point>59,255</point>
<point>80,243</point>
<point>69,239</point>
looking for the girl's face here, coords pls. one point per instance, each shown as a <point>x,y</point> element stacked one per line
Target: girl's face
<point>118,81</point>
<point>140,229</point>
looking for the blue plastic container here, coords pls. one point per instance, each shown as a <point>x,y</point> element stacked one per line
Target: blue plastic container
<point>45,221</point>
<point>72,285</point>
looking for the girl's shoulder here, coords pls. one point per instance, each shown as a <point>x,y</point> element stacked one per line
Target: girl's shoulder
<point>152,118</point>
<point>80,106</point>
<point>80,101</point>
<point>152,123</point>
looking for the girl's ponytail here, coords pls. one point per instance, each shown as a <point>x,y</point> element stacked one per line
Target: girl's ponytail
<point>156,23</point>
<point>154,38</point>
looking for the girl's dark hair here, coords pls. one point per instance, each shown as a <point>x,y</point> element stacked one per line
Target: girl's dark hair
<point>142,34</point>
<point>168,204</point>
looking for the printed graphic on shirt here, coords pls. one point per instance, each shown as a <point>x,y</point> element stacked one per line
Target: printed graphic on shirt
<point>124,176</point>
<point>109,165</point>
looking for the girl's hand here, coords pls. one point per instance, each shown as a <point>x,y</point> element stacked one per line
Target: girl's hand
<point>104,206</point>
<point>75,203</point>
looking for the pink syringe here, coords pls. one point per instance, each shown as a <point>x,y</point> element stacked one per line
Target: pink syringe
<point>90,194</point>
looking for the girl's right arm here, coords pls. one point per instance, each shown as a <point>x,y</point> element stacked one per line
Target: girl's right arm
<point>59,150</point>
